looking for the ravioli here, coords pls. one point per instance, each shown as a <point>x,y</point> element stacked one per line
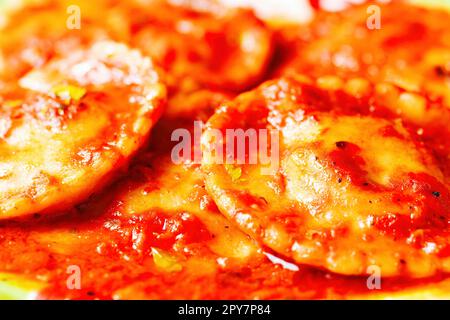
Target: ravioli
<point>38,31</point>
<point>74,124</point>
<point>219,48</point>
<point>410,48</point>
<point>355,185</point>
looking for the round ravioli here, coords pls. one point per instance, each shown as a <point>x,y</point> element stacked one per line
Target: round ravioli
<point>174,198</point>
<point>37,31</point>
<point>73,123</point>
<point>326,174</point>
<point>216,48</point>
<point>395,42</point>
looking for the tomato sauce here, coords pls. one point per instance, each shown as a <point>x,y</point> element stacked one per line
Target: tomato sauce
<point>349,162</point>
<point>112,255</point>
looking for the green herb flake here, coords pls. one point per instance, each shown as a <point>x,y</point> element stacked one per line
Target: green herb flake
<point>165,262</point>
<point>235,172</point>
<point>69,92</point>
<point>13,103</point>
